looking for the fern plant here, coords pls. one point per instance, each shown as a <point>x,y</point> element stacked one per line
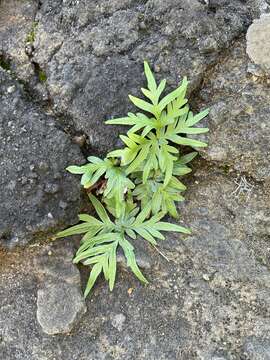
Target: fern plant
<point>138,184</point>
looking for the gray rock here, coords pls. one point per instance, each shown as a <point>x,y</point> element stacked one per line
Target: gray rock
<point>106,43</point>
<point>259,7</point>
<point>55,263</point>
<point>33,179</point>
<point>16,30</point>
<point>118,321</point>
<point>227,225</point>
<point>60,304</point>
<point>179,315</point>
<point>211,300</point>
<point>239,117</point>
<point>258,44</point>
<point>257,349</point>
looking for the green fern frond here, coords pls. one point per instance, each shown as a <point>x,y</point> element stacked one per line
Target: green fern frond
<point>139,183</point>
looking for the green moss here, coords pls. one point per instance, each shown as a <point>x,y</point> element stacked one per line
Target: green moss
<point>42,76</point>
<point>30,38</point>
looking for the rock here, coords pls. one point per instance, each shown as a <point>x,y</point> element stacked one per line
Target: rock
<point>232,225</point>
<point>118,321</point>
<point>259,7</point>
<point>33,179</point>
<point>55,263</point>
<point>183,315</point>
<point>106,43</point>
<point>239,117</point>
<point>257,349</point>
<point>211,299</point>
<point>60,304</point>
<point>258,43</point>
<point>16,28</point>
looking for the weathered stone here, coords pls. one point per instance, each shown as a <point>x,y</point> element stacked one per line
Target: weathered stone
<point>59,307</point>
<point>259,7</point>
<point>184,316</point>
<point>211,300</point>
<point>16,30</point>
<point>228,223</point>
<point>118,321</point>
<point>106,43</point>
<point>55,263</point>
<point>60,304</point>
<point>239,117</point>
<point>258,42</point>
<point>34,155</point>
<point>257,349</point>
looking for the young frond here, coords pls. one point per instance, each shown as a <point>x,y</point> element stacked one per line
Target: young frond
<point>139,183</point>
<point>162,198</point>
<point>93,171</point>
<point>116,181</point>
<point>184,126</point>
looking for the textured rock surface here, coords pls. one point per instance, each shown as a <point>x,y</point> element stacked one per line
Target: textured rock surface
<point>211,300</point>
<point>33,182</point>
<point>239,119</point>
<point>258,349</point>
<point>16,23</point>
<point>258,42</point>
<point>105,43</point>
<point>60,304</point>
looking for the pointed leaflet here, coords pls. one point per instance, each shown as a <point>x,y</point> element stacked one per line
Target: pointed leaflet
<point>127,120</point>
<point>160,88</point>
<point>169,169</point>
<point>171,208</point>
<point>90,220</point>
<point>197,130</point>
<point>192,120</point>
<point>131,260</point>
<point>141,104</point>
<point>100,209</point>
<point>74,230</point>
<point>187,158</point>
<point>74,169</point>
<point>96,270</point>
<point>151,82</point>
<point>164,226</point>
<point>173,95</point>
<point>186,141</point>
<point>112,266</point>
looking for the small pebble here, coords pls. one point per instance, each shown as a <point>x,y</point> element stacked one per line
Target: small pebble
<point>62,204</point>
<point>206,277</point>
<point>80,140</point>
<point>11,89</point>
